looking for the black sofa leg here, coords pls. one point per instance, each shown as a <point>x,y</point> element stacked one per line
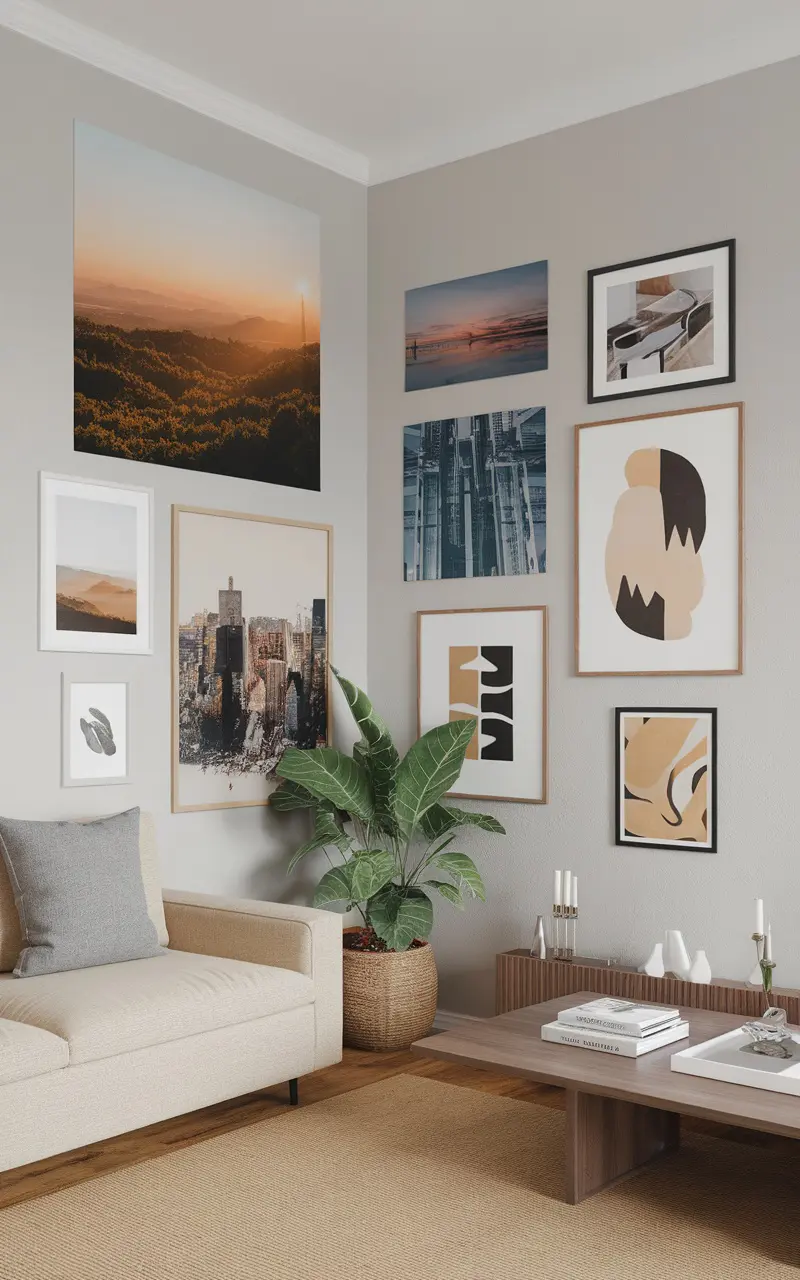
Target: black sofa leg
<point>293,1097</point>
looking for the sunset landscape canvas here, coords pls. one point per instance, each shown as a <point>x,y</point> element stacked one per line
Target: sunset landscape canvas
<point>485,326</point>
<point>197,317</point>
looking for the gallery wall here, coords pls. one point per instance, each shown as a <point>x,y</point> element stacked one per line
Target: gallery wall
<point>241,850</point>
<point>719,162</point>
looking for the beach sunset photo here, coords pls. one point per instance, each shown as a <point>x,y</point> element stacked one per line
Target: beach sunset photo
<point>486,326</point>
<point>197,318</point>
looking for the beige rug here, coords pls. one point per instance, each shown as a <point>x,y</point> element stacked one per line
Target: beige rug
<point>411,1179</point>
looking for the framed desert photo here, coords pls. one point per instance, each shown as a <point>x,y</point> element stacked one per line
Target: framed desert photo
<point>666,778</point>
<point>662,323</point>
<point>475,496</point>
<point>489,665</point>
<point>95,744</point>
<point>95,543</point>
<point>251,602</point>
<point>658,544</point>
<point>196,317</point>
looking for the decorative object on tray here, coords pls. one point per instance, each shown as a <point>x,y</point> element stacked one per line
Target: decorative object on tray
<point>666,778</point>
<point>654,964</point>
<point>489,666</point>
<point>676,958</point>
<point>658,544</point>
<point>251,642</point>
<point>736,1057</point>
<point>95,735</point>
<point>95,559</point>
<point>539,946</point>
<point>453,471</point>
<point>565,908</point>
<point>662,323</point>
<point>617,1026</point>
<point>387,820</point>
<point>700,970</point>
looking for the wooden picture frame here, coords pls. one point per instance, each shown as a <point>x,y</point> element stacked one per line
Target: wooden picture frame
<point>687,316</point>
<point>607,634</point>
<point>680,752</point>
<point>436,702</point>
<point>318,647</point>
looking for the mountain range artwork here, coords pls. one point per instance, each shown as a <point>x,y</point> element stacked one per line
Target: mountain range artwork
<point>197,318</point>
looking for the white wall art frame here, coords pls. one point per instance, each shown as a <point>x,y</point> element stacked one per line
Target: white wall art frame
<point>95,727</point>
<point>95,566</point>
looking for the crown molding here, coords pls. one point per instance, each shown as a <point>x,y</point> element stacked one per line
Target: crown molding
<point>38,22</point>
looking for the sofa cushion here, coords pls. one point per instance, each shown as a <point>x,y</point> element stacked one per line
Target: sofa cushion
<point>28,1051</point>
<point>116,1008</point>
<point>11,934</point>
<point>79,893</point>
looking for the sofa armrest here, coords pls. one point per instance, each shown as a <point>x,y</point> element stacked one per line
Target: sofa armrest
<point>286,936</point>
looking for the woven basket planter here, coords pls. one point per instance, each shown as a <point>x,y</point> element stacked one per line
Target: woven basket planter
<point>389,997</point>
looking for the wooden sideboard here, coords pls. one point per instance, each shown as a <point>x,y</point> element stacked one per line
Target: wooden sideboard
<point>523,980</point>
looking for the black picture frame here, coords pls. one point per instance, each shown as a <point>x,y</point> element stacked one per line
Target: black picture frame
<point>595,398</point>
<point>677,846</point>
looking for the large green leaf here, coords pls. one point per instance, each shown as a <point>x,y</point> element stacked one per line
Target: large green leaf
<point>441,818</point>
<point>376,751</point>
<point>372,870</point>
<point>464,872</point>
<point>289,795</point>
<point>335,886</point>
<point>429,769</point>
<point>447,890</point>
<point>332,775</point>
<point>326,831</point>
<point>399,915</point>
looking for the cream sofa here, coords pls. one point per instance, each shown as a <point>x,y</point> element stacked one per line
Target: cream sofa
<point>249,994</point>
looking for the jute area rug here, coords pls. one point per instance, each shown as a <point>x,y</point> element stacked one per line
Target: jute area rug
<point>411,1179</point>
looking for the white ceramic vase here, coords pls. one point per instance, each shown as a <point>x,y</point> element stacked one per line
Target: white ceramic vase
<point>654,964</point>
<point>701,969</point>
<point>676,957</point>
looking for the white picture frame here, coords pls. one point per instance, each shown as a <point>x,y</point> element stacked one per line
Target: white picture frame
<point>95,733</point>
<point>95,566</point>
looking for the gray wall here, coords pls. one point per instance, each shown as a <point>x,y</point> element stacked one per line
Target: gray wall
<point>236,850</point>
<point>717,162</point>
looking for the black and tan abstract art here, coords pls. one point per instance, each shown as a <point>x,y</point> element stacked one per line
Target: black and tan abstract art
<point>666,778</point>
<point>481,687</point>
<point>653,566</point>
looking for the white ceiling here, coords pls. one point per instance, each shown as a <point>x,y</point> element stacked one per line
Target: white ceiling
<point>386,87</point>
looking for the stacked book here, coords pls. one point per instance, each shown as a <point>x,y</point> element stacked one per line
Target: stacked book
<point>617,1026</point>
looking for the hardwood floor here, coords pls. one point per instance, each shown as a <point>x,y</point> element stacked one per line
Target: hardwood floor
<point>356,1070</point>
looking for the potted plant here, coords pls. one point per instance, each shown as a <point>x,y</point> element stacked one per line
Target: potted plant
<point>388,835</point>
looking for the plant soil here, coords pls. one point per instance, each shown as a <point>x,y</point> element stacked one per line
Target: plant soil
<point>366,939</point>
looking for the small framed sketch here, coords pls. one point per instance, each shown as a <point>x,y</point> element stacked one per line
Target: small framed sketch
<point>666,778</point>
<point>489,665</point>
<point>95,743</point>
<point>662,323</point>
<point>658,544</point>
<point>95,567</point>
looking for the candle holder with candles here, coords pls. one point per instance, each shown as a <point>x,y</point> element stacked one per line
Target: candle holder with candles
<point>565,908</point>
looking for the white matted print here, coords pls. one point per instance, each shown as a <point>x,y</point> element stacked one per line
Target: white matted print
<point>95,567</point>
<point>489,665</point>
<point>95,742</point>
<point>662,323</point>
<point>658,544</point>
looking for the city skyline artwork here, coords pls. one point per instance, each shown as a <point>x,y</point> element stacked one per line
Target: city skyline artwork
<point>475,496</point>
<point>251,654</point>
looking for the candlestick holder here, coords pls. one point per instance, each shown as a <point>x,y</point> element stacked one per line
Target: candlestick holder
<point>558,916</point>
<point>756,978</point>
<point>569,916</point>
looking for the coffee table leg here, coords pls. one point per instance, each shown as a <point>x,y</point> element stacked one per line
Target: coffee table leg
<point>608,1139</point>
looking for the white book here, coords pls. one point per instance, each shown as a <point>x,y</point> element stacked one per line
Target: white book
<point>621,1017</point>
<point>624,1046</point>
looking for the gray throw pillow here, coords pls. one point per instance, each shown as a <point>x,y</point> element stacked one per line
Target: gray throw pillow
<point>79,893</point>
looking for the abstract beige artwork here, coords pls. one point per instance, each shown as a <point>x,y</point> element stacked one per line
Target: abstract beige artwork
<point>666,778</point>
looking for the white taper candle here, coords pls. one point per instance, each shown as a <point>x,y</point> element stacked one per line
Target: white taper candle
<point>567,888</point>
<point>574,898</point>
<point>759,915</point>
<point>768,943</point>
<point>556,888</point>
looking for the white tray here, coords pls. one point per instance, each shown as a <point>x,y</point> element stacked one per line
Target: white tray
<point>722,1059</point>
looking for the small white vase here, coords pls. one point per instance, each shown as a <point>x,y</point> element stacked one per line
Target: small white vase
<point>654,964</point>
<point>701,969</point>
<point>676,957</point>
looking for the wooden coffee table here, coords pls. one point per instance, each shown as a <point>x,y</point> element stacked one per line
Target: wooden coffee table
<point>621,1112</point>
